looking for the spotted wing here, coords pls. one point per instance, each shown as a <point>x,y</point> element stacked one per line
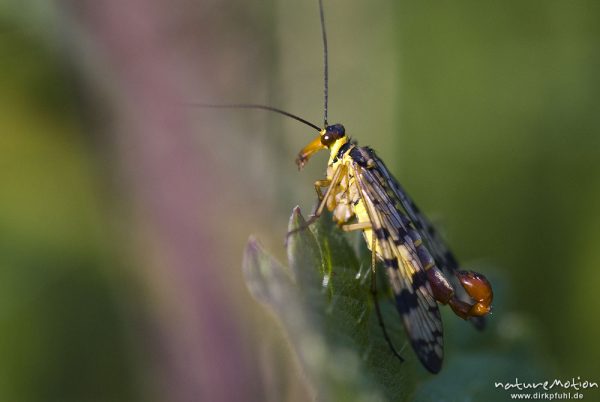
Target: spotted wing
<point>408,279</point>
<point>436,246</point>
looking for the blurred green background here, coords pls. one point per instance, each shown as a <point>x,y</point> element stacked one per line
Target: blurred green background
<point>124,212</point>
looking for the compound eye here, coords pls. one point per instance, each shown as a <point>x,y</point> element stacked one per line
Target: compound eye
<point>328,138</point>
<point>332,134</point>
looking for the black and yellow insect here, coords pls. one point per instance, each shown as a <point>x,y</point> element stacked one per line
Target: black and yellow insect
<point>363,195</point>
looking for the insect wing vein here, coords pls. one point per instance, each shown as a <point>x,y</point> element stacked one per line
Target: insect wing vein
<point>442,255</point>
<point>414,299</point>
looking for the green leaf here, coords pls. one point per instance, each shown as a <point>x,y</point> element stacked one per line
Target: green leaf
<point>324,304</point>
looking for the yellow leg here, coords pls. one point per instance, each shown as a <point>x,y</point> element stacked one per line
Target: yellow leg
<point>356,226</point>
<point>335,179</point>
<point>319,184</point>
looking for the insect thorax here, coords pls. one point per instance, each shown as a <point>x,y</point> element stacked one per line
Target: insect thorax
<point>345,201</point>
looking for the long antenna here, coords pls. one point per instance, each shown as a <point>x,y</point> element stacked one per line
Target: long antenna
<point>255,106</point>
<point>325,63</point>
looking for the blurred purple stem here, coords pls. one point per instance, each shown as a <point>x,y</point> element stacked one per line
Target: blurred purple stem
<point>172,190</point>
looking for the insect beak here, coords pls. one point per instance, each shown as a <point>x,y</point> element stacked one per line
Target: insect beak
<point>306,152</point>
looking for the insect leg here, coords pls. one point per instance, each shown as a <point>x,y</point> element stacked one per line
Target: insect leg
<point>376,302</point>
<point>356,226</point>
<point>319,184</point>
<point>367,225</point>
<point>335,179</point>
<point>362,226</point>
